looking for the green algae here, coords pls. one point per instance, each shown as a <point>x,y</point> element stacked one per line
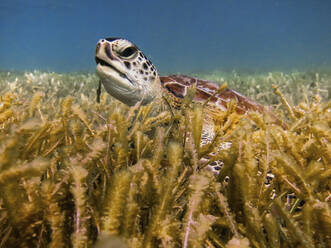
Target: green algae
<point>75,173</point>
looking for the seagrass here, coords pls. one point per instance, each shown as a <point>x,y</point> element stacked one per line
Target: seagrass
<point>77,173</point>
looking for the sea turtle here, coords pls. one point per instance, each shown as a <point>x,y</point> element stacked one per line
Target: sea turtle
<point>129,76</point>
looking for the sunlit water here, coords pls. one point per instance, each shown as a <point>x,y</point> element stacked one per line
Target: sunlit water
<point>178,36</point>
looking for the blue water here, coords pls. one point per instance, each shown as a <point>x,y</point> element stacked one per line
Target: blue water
<point>178,36</point>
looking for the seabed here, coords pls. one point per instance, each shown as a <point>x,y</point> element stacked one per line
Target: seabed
<point>77,173</point>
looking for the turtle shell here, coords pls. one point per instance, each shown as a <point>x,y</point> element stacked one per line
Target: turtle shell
<point>177,85</point>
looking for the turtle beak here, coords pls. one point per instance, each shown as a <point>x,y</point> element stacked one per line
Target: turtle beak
<point>101,55</point>
<point>107,63</point>
<point>96,60</point>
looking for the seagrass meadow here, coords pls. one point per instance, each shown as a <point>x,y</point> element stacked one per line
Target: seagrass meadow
<point>77,173</point>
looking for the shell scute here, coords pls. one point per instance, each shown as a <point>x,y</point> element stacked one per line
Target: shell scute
<point>205,90</point>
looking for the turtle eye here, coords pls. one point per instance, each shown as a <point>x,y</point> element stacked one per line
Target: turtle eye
<point>127,52</point>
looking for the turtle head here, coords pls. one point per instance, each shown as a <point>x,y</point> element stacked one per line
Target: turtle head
<point>125,71</point>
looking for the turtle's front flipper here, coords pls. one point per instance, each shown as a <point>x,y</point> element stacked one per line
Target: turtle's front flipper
<point>99,92</point>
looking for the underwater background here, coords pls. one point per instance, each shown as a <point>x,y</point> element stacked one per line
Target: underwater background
<point>75,172</point>
<point>178,36</point>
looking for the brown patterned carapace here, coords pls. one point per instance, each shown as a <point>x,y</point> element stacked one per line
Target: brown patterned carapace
<point>178,85</point>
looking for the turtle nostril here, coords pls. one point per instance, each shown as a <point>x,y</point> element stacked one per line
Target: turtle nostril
<point>97,48</point>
